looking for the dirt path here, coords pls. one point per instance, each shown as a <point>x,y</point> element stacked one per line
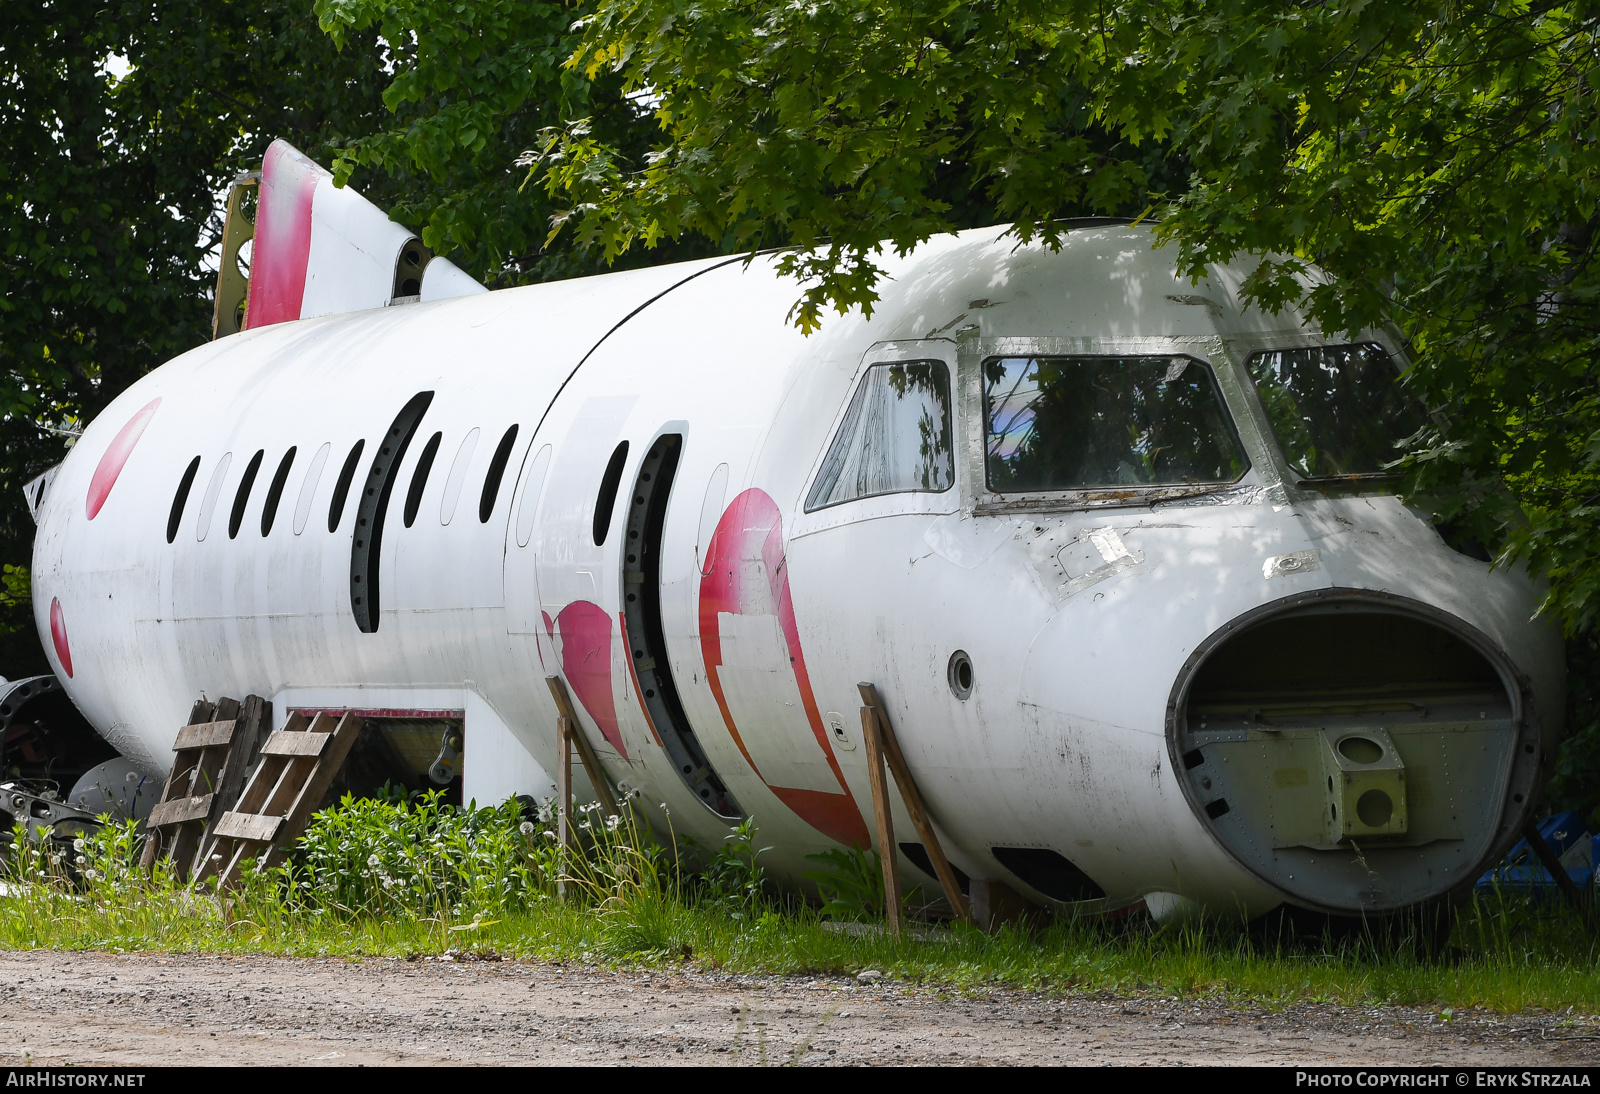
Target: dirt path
<point>94,1008</point>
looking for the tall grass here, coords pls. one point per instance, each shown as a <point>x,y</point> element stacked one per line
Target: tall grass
<point>405,878</point>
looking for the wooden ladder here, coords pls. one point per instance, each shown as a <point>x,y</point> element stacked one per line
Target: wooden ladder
<point>298,764</point>
<point>212,754</point>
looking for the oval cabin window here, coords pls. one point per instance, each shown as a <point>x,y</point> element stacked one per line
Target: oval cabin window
<point>497,472</point>
<point>181,498</point>
<point>242,498</point>
<point>269,510</point>
<point>341,488</point>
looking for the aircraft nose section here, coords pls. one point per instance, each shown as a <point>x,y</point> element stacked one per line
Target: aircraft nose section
<point>1358,752</point>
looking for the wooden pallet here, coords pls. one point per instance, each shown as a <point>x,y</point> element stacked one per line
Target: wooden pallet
<point>212,753</point>
<point>298,764</point>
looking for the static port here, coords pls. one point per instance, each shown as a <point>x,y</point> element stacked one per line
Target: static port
<point>960,674</point>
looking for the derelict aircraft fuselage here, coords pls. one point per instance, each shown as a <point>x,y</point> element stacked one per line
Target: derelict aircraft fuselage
<point>1115,550</point>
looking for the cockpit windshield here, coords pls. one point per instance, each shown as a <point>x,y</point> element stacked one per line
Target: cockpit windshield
<point>1336,410</point>
<point>1075,423</point>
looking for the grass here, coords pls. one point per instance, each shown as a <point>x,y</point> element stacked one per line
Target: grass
<point>395,879</point>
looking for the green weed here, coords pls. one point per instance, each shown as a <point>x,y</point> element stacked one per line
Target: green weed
<point>407,877</point>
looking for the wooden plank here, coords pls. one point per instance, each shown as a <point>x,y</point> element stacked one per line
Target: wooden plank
<point>203,735</point>
<point>295,744</point>
<point>197,807</point>
<point>249,826</point>
<point>226,854</point>
<point>914,803</point>
<point>155,839</point>
<point>185,843</point>
<point>255,718</point>
<point>888,853</point>
<point>286,796</point>
<point>591,762</point>
<point>563,798</point>
<point>315,788</point>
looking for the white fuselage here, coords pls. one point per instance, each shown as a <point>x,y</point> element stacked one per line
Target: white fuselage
<point>771,614</point>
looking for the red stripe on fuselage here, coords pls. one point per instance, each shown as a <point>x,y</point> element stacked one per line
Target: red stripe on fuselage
<point>751,531</point>
<point>111,463</point>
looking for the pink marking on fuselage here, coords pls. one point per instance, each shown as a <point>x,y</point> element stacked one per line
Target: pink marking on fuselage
<point>115,456</point>
<point>751,531</point>
<point>281,249</point>
<point>585,631</point>
<point>58,637</point>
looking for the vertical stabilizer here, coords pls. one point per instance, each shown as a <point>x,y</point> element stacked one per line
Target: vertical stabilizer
<point>319,249</point>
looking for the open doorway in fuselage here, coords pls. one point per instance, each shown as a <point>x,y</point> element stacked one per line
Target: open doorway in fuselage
<point>403,752</point>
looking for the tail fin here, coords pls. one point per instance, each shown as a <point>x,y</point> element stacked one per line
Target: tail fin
<point>318,250</point>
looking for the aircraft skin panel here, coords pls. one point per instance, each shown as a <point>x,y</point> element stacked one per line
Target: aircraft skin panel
<point>1088,623</point>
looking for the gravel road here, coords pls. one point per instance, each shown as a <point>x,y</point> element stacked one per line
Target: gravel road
<point>128,1010</point>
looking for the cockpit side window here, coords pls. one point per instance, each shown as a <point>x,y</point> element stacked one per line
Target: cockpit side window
<point>1336,410</point>
<point>896,437</point>
<point>1077,423</point>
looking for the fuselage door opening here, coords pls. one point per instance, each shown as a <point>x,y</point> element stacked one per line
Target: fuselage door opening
<point>647,644</point>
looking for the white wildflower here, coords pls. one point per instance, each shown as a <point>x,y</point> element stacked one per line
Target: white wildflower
<point>613,822</point>
<point>77,844</point>
<point>526,828</point>
<point>372,860</point>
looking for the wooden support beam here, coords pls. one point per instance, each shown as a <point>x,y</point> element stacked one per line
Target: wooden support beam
<point>1558,873</point>
<point>591,762</point>
<point>563,798</point>
<point>888,853</point>
<point>912,797</point>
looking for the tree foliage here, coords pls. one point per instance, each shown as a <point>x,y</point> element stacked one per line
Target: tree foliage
<point>1438,158</point>
<point>473,87</point>
<point>109,199</point>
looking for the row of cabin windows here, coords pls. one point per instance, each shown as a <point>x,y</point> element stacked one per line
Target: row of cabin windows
<point>341,489</point>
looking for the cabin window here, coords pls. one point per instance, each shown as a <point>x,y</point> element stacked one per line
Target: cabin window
<point>181,498</point>
<point>458,476</point>
<point>308,489</point>
<point>896,437</point>
<point>242,498</point>
<point>269,510</point>
<point>606,500</point>
<point>208,504</point>
<point>341,488</point>
<point>1336,410</point>
<point>497,471</point>
<point>1075,423</point>
<point>419,477</point>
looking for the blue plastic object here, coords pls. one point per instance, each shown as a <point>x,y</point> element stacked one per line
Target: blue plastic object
<point>1569,837</point>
